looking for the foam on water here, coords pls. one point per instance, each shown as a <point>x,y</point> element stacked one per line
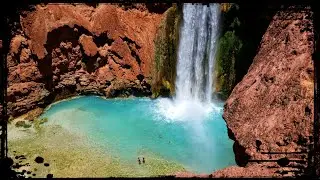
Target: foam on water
<point>186,110</point>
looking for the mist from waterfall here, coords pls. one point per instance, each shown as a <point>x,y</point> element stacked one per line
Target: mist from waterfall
<point>199,33</point>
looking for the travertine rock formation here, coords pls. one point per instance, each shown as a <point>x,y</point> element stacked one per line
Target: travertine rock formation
<point>62,50</point>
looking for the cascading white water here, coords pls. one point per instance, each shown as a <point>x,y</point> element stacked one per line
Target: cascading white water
<point>196,59</point>
<point>196,55</point>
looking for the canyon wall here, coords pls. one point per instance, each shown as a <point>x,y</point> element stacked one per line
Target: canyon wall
<point>271,109</point>
<point>62,50</point>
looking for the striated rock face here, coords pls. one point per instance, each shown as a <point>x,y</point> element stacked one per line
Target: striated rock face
<point>62,50</point>
<point>271,109</point>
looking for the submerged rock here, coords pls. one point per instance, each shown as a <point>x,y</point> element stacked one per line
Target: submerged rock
<point>22,124</point>
<point>39,159</point>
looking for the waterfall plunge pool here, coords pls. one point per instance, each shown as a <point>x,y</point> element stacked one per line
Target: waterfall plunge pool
<point>108,135</point>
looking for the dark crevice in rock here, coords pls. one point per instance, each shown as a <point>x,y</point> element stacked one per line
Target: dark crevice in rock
<point>258,144</point>
<point>241,157</point>
<point>164,92</point>
<point>91,64</point>
<point>126,66</point>
<point>45,68</point>
<point>231,134</point>
<point>91,92</point>
<point>115,54</point>
<point>135,55</point>
<point>63,34</point>
<point>307,111</point>
<point>92,4</point>
<point>283,162</point>
<point>108,83</point>
<point>140,77</point>
<point>159,8</point>
<point>102,39</point>
<point>115,61</point>
<point>137,92</point>
<point>146,86</point>
<point>65,92</point>
<point>302,140</point>
<point>294,52</point>
<point>88,63</point>
<point>269,79</point>
<point>130,41</point>
<point>133,46</point>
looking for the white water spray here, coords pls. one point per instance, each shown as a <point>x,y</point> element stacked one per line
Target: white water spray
<point>196,59</point>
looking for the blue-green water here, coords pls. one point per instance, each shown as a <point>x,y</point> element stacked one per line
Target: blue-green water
<point>141,127</point>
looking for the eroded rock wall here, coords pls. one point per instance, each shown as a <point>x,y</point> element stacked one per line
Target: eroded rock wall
<point>66,49</point>
<point>271,109</point>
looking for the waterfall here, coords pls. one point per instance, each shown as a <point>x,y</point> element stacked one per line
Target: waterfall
<point>195,65</point>
<point>196,55</point>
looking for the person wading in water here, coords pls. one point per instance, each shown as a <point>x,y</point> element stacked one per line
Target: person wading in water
<point>143,160</point>
<point>139,160</point>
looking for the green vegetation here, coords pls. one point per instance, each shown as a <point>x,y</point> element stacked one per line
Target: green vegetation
<point>228,50</point>
<point>166,48</point>
<point>37,124</point>
<point>22,124</point>
<point>243,26</point>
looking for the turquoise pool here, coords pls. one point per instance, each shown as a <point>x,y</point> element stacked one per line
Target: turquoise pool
<point>142,127</point>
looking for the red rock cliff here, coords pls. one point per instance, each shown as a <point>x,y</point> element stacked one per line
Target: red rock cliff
<point>271,109</point>
<point>67,49</point>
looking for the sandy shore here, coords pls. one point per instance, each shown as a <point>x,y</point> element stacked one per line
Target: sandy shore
<point>73,155</point>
